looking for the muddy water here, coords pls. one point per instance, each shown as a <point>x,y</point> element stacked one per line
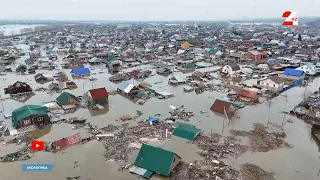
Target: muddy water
<point>14,29</point>
<point>300,162</point>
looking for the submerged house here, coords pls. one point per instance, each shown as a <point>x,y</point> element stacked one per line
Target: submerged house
<point>30,115</point>
<point>164,71</point>
<point>67,101</point>
<point>152,160</point>
<point>292,74</point>
<point>223,107</point>
<point>80,72</point>
<point>138,74</point>
<point>127,89</point>
<point>95,61</point>
<point>308,69</point>
<point>247,95</point>
<point>273,83</point>
<point>177,80</point>
<point>230,69</point>
<point>18,87</point>
<point>186,131</point>
<point>71,85</point>
<point>42,78</point>
<point>97,96</point>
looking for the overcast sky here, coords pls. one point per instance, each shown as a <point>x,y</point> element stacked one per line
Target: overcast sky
<point>153,9</point>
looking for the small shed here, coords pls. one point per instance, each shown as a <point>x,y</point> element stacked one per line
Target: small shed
<point>67,100</point>
<point>247,95</point>
<point>97,96</point>
<point>157,160</point>
<point>223,107</point>
<point>186,131</point>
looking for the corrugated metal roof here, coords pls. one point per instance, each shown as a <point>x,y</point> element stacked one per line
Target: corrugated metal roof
<point>81,71</point>
<point>186,131</point>
<point>155,159</point>
<point>125,87</point>
<point>140,171</point>
<point>68,141</point>
<point>179,79</point>
<point>293,72</point>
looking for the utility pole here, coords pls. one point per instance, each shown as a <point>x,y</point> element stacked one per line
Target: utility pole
<point>269,107</point>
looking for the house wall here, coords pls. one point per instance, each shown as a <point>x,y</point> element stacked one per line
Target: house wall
<point>39,120</point>
<point>269,84</point>
<point>231,110</point>
<point>100,101</point>
<point>227,69</point>
<point>254,57</point>
<point>290,77</point>
<point>175,162</point>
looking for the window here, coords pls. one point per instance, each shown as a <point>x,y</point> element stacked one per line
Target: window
<point>267,84</point>
<point>40,118</point>
<point>27,121</point>
<point>274,85</point>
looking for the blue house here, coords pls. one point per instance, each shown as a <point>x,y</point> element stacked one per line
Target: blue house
<point>80,72</point>
<point>294,74</point>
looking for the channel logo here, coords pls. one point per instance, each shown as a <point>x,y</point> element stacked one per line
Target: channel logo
<point>37,145</point>
<point>37,167</point>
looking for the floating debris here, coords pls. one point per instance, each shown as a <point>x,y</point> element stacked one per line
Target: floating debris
<point>217,146</point>
<point>261,140</point>
<point>254,172</point>
<point>204,170</point>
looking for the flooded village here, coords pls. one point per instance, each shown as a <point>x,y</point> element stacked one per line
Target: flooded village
<point>161,101</point>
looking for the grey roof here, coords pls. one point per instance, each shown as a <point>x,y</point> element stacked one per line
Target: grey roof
<point>125,86</point>
<point>179,79</point>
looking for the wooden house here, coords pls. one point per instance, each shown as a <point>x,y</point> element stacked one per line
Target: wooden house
<point>165,160</point>
<point>97,96</point>
<point>223,107</point>
<point>67,101</point>
<point>30,115</point>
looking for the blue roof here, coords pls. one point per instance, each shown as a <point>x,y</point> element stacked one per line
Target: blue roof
<point>315,101</point>
<point>271,60</point>
<point>123,85</point>
<point>81,71</point>
<point>293,72</point>
<point>152,119</point>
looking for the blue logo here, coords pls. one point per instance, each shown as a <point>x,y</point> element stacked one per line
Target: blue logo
<point>37,167</point>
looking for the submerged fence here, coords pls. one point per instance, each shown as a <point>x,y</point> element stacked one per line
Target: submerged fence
<point>297,83</point>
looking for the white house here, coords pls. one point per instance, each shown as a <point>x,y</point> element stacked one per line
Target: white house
<point>273,83</point>
<point>231,69</point>
<point>308,69</point>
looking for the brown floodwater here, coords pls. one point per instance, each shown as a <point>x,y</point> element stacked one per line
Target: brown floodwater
<point>300,162</point>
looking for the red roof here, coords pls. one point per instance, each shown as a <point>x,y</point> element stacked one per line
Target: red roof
<point>99,93</point>
<point>68,141</point>
<point>264,53</point>
<point>220,106</point>
<point>135,73</point>
<point>247,93</point>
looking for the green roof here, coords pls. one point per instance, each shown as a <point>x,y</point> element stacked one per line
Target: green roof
<point>190,66</point>
<point>155,159</point>
<point>26,111</point>
<point>64,98</point>
<point>186,131</point>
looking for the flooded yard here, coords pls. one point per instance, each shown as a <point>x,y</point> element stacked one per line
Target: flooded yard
<point>245,140</point>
